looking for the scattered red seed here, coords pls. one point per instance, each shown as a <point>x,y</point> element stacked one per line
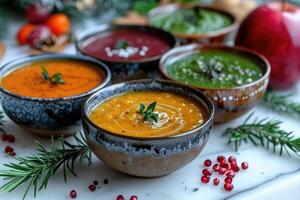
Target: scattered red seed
<point>216,181</point>
<point>230,174</point>
<point>216,167</point>
<point>228,186</point>
<point>92,188</point>
<point>244,165</point>
<point>204,179</point>
<point>222,171</point>
<point>120,197</point>
<point>231,159</point>
<point>206,172</point>
<point>228,180</point>
<point>221,159</point>
<point>12,154</point>
<point>11,138</point>
<point>207,163</point>
<point>8,149</point>
<point>235,168</point>
<point>228,168</point>
<point>73,194</point>
<point>133,197</point>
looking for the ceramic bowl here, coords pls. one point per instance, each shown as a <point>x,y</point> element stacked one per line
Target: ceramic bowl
<point>129,70</point>
<point>219,36</point>
<point>146,157</point>
<point>47,116</point>
<point>230,103</point>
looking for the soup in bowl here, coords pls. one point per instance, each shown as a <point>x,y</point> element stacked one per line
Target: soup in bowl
<point>44,93</point>
<point>144,128</point>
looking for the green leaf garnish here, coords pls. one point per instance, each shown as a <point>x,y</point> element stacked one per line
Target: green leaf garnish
<point>121,44</point>
<point>144,6</point>
<point>148,113</point>
<point>55,78</point>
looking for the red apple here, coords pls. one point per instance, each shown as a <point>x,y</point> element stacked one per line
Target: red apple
<point>273,30</point>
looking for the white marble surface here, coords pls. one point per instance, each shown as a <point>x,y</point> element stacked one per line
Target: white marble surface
<point>268,177</point>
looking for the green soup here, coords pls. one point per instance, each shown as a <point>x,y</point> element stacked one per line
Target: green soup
<point>215,69</point>
<point>186,21</point>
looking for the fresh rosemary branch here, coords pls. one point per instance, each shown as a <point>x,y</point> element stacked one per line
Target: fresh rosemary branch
<point>266,133</point>
<point>148,113</point>
<point>281,104</point>
<point>37,169</point>
<point>56,78</point>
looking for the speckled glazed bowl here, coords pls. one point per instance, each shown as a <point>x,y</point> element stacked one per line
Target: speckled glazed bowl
<point>128,70</point>
<point>146,157</point>
<point>52,116</point>
<point>219,36</point>
<point>230,103</point>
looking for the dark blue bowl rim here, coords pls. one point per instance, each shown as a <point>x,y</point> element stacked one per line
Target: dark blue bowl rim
<point>206,100</point>
<point>50,56</point>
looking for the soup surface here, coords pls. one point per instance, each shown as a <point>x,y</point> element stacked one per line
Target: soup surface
<point>176,114</point>
<point>215,69</point>
<point>188,21</point>
<point>78,77</point>
<point>125,45</point>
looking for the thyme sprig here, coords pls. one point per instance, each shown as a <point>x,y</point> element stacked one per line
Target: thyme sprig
<point>281,103</point>
<point>55,78</point>
<point>37,169</point>
<point>148,113</point>
<point>121,44</point>
<point>264,132</point>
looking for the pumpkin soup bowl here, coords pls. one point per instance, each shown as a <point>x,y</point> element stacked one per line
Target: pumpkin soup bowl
<point>101,44</point>
<point>146,156</point>
<point>230,103</point>
<point>219,36</point>
<point>48,116</point>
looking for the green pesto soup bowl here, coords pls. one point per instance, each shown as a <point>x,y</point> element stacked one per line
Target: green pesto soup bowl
<point>208,25</point>
<point>231,101</point>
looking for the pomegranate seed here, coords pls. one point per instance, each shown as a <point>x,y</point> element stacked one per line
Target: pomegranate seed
<point>12,153</point>
<point>228,180</point>
<point>221,159</point>
<point>207,163</point>
<point>204,179</point>
<point>9,149</point>
<point>73,194</point>
<point>206,172</point>
<point>11,138</point>
<point>120,197</point>
<point>216,167</point>
<point>233,163</point>
<point>92,188</point>
<point>216,181</point>
<point>244,165</point>
<point>236,169</point>
<point>222,171</point>
<point>231,159</point>
<point>95,182</point>
<point>228,186</point>
<point>228,168</point>
<point>4,137</point>
<point>223,164</point>
<point>230,174</point>
<point>133,197</point>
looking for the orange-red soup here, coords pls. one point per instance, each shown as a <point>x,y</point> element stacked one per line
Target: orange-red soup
<point>178,114</point>
<point>79,77</point>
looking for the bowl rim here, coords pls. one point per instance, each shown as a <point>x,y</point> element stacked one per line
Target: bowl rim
<point>111,27</point>
<point>199,48</point>
<point>176,6</point>
<point>53,56</point>
<point>206,100</point>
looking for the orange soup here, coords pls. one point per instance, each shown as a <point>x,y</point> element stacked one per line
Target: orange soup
<point>76,78</point>
<point>175,114</point>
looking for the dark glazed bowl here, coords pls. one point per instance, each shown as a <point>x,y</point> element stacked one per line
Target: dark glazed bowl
<point>130,70</point>
<point>47,116</point>
<point>230,103</point>
<point>219,36</point>
<point>146,157</point>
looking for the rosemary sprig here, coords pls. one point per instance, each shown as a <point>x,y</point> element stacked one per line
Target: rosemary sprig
<point>121,44</point>
<point>281,104</point>
<point>55,78</point>
<point>265,132</point>
<point>37,169</point>
<point>148,113</point>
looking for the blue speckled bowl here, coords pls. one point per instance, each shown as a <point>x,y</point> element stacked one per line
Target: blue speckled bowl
<point>146,157</point>
<point>52,116</point>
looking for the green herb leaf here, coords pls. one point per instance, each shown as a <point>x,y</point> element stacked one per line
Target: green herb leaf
<point>264,132</point>
<point>56,78</point>
<point>37,169</point>
<point>45,74</point>
<point>148,113</point>
<point>121,44</point>
<point>144,6</point>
